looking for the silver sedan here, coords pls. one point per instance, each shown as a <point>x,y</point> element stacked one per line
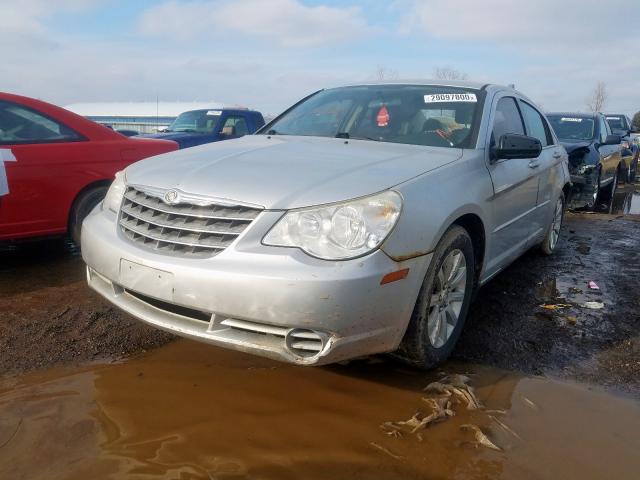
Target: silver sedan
<point>359,221</point>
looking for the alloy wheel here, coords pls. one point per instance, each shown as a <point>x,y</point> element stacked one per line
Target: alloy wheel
<point>447,298</point>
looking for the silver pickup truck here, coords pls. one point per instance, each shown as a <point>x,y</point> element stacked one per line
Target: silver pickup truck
<point>361,220</point>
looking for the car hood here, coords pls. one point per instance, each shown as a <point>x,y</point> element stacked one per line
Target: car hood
<point>283,172</point>
<point>184,139</point>
<point>169,135</point>
<point>571,147</point>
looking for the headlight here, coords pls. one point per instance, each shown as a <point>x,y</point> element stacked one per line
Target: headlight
<point>114,195</point>
<point>339,231</point>
<point>586,169</point>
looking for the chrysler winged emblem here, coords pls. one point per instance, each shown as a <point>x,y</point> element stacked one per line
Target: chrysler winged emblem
<point>171,197</point>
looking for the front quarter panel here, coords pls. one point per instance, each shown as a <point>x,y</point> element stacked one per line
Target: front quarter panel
<point>433,201</point>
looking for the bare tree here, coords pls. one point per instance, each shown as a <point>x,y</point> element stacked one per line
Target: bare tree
<point>598,98</point>
<point>384,73</point>
<point>449,73</point>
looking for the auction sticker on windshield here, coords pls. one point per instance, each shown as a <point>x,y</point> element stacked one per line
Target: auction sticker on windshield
<point>214,112</point>
<point>570,119</point>
<point>450,97</point>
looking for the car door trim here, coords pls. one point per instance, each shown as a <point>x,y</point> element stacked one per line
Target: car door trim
<point>519,217</point>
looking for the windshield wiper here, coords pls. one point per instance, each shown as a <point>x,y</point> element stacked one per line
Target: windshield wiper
<point>187,130</point>
<point>347,135</point>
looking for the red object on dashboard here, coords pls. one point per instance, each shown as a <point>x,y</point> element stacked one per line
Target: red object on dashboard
<point>62,162</point>
<point>383,116</point>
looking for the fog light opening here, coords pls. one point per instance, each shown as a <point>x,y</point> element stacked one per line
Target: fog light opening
<point>305,343</point>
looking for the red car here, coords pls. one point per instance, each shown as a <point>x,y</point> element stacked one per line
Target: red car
<point>58,166</point>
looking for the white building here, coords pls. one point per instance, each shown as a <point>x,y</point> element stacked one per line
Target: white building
<point>144,117</point>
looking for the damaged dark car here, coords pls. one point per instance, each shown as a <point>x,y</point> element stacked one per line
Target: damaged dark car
<point>595,160</point>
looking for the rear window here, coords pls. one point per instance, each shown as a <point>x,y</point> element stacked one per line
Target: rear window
<point>572,127</point>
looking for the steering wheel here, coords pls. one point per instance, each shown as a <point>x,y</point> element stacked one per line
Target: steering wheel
<point>444,135</point>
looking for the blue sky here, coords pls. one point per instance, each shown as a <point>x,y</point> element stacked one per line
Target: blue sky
<point>268,53</point>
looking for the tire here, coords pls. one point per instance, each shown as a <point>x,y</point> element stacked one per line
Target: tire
<point>425,344</point>
<point>597,193</point>
<point>81,208</point>
<point>550,242</point>
<point>611,189</point>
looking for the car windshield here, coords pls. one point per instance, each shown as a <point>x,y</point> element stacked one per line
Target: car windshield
<point>617,122</point>
<point>573,127</point>
<point>197,121</point>
<point>418,115</point>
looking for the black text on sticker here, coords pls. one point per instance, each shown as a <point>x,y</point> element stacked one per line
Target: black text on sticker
<point>450,97</point>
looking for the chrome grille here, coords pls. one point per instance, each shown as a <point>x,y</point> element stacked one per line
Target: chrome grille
<point>184,228</point>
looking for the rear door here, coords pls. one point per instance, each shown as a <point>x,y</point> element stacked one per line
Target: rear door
<point>548,167</point>
<point>515,184</point>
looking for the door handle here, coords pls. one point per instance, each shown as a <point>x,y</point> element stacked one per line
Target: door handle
<point>557,155</point>
<point>534,164</point>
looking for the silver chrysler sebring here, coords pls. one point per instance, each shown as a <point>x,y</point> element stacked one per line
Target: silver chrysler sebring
<point>361,220</point>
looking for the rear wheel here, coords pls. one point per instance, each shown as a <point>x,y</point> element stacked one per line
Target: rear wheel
<point>81,208</point>
<point>550,241</point>
<point>441,309</point>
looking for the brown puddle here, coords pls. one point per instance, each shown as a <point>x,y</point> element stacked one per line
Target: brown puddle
<point>190,411</point>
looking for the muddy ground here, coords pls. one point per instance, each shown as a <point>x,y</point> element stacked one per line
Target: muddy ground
<point>49,317</point>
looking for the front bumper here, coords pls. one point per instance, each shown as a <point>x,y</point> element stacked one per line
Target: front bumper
<point>271,301</point>
<point>583,188</point>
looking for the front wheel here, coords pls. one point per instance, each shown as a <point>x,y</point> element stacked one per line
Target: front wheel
<point>81,208</point>
<point>550,241</point>
<point>443,302</point>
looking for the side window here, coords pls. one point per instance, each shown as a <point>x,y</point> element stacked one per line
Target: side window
<point>604,129</point>
<point>507,119</point>
<point>235,126</point>
<point>536,125</point>
<point>23,125</point>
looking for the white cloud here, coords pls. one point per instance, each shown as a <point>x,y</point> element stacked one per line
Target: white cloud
<point>563,24</point>
<point>25,16</point>
<point>286,22</point>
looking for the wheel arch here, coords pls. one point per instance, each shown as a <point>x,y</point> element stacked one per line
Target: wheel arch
<point>80,194</point>
<point>474,226</point>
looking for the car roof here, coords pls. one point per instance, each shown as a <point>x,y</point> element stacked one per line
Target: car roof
<point>238,109</point>
<point>446,83</point>
<point>491,87</point>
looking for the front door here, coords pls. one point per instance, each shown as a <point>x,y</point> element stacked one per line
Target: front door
<point>515,185</point>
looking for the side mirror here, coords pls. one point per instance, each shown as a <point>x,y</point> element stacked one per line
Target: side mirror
<point>612,140</point>
<point>512,146</point>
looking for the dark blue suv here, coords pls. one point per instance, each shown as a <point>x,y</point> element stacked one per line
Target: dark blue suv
<point>196,127</point>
